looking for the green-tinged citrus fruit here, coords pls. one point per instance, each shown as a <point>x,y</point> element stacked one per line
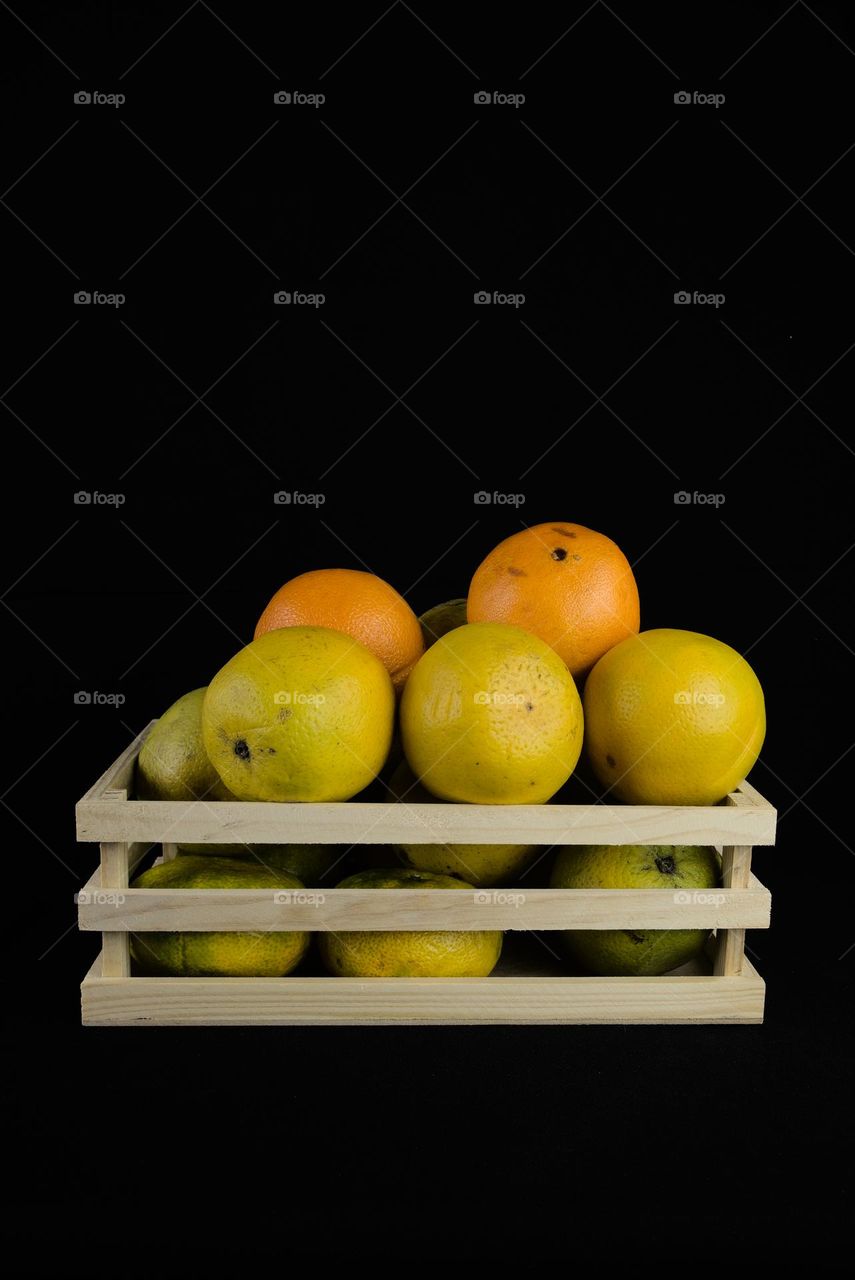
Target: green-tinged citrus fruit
<point>442,618</point>
<point>310,863</point>
<point>631,952</point>
<point>173,763</point>
<point>237,955</point>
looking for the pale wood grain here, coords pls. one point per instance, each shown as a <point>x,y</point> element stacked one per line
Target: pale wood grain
<point>120,773</point>
<point>115,950</point>
<point>730,944</point>
<point>751,795</point>
<point>381,910</point>
<point>403,1001</point>
<point>227,822</point>
<point>736,874</point>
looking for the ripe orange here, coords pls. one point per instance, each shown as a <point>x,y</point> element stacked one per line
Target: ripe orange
<point>359,604</point>
<point>569,585</point>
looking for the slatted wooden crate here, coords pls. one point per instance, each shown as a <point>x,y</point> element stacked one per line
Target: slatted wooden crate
<point>728,991</point>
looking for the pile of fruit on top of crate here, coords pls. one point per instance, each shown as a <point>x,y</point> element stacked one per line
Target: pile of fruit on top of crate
<point>538,683</point>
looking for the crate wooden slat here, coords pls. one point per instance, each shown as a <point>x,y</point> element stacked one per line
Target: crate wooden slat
<point>126,828</point>
<point>331,910</point>
<point>403,1001</point>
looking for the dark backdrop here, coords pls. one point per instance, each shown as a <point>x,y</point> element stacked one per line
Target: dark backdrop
<point>597,398</point>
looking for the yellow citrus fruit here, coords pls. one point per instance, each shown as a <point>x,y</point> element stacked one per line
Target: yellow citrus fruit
<point>302,713</point>
<point>491,715</point>
<point>435,954</point>
<point>673,717</point>
<point>482,865</point>
<point>230,955</point>
<point>632,952</point>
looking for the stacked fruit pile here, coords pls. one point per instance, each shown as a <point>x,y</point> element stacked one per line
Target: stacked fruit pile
<point>477,702</point>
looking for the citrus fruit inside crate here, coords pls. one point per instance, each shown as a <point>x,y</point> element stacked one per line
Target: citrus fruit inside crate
<point>531,983</point>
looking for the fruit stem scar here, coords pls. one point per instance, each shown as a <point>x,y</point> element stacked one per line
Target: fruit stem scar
<point>242,749</point>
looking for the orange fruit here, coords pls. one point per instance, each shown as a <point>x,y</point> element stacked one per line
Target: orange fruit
<point>359,604</point>
<point>569,585</point>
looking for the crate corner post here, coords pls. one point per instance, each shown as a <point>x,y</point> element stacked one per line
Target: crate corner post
<point>115,874</point>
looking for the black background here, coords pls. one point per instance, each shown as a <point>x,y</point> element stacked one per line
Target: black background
<point>671,1145</point>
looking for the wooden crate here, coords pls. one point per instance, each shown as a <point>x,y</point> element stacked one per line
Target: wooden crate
<point>728,991</point>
